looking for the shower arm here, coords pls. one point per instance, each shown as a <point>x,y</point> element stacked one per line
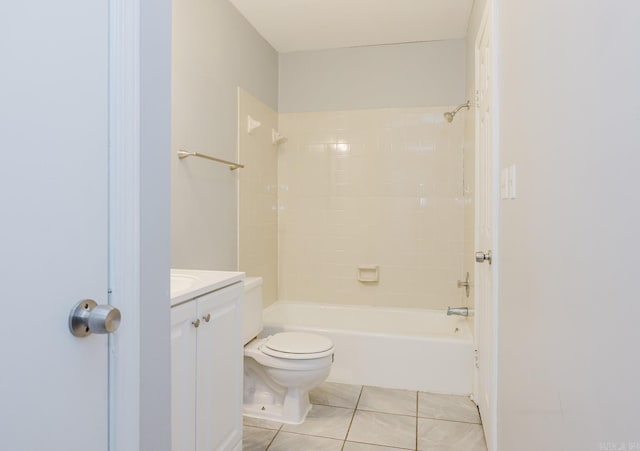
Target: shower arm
<point>464,105</point>
<point>449,115</point>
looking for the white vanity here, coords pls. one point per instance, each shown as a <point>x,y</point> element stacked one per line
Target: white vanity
<point>206,360</point>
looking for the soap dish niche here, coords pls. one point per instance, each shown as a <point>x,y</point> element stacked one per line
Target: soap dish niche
<point>368,273</point>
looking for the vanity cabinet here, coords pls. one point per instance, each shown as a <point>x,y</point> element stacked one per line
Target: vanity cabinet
<point>206,372</point>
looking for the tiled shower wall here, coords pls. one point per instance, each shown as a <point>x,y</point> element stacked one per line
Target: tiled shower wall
<point>373,187</point>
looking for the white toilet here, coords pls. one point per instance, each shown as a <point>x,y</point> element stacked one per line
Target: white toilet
<point>279,370</point>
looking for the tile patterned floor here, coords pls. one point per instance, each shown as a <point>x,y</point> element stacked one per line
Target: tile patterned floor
<point>357,418</point>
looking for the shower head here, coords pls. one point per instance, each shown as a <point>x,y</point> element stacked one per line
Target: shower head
<point>449,115</point>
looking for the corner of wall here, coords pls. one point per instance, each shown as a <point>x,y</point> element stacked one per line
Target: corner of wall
<point>229,53</point>
<point>258,195</point>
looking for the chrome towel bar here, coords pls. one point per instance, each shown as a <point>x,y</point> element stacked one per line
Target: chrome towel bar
<point>232,166</point>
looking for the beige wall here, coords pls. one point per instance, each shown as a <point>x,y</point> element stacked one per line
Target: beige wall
<point>369,187</point>
<point>214,50</point>
<point>568,245</point>
<point>258,196</point>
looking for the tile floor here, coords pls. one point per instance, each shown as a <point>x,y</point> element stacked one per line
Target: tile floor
<point>357,418</point>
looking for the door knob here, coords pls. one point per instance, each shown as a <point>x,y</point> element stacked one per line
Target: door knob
<point>207,317</point>
<point>483,256</point>
<point>87,317</point>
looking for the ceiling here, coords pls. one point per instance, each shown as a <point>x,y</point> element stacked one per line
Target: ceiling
<point>294,25</point>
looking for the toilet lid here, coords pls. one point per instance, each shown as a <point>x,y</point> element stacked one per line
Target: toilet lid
<point>296,344</point>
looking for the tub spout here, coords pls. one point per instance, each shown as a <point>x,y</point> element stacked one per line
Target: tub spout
<point>460,311</point>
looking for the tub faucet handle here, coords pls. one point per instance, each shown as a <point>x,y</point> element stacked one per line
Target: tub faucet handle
<point>466,284</point>
<point>460,311</point>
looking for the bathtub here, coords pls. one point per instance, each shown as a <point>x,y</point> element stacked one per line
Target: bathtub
<point>412,349</point>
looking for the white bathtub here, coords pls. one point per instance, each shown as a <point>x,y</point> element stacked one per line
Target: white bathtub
<point>412,349</point>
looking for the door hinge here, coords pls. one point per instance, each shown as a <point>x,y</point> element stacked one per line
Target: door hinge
<point>475,358</point>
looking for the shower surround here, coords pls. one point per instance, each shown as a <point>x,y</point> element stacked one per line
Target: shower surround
<point>371,187</point>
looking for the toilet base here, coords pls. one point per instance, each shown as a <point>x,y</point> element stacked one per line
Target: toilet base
<point>294,410</point>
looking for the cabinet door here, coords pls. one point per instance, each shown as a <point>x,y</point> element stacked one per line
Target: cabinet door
<point>220,357</point>
<point>183,377</point>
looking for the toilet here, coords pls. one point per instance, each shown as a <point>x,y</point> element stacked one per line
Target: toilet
<point>279,370</point>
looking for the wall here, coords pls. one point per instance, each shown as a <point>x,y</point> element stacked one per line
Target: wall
<point>384,76</point>
<point>568,302</point>
<point>258,196</point>
<point>371,187</point>
<point>215,50</point>
<point>154,309</point>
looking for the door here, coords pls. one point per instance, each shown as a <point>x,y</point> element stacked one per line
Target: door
<point>53,231</point>
<point>219,368</point>
<point>184,327</point>
<point>485,231</point>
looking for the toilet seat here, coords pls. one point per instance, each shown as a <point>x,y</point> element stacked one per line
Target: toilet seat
<point>296,362</point>
<point>297,346</point>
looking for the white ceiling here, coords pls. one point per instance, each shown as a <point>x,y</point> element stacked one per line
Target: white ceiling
<point>293,25</point>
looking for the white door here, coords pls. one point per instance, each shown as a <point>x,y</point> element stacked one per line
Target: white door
<point>484,226</point>
<point>219,369</point>
<point>184,328</point>
<point>53,231</point>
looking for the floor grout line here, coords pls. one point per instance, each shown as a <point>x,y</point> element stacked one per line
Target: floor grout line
<point>311,435</point>
<point>390,413</point>
<point>274,437</point>
<point>355,409</point>
<point>451,421</point>
<point>261,427</point>
<point>381,446</point>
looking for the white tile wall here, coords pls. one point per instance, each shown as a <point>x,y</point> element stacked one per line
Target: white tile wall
<point>258,196</point>
<point>368,187</point>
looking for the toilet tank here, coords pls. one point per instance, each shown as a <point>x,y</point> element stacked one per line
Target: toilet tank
<point>251,308</point>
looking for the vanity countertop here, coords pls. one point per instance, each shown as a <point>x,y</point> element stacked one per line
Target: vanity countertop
<point>190,283</point>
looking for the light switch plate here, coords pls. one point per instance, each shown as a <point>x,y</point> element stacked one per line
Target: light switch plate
<point>505,183</point>
<point>512,182</point>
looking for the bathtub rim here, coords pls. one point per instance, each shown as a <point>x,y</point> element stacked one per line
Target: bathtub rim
<point>466,336</point>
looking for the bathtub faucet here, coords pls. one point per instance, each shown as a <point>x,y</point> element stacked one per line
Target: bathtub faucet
<point>460,311</point>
